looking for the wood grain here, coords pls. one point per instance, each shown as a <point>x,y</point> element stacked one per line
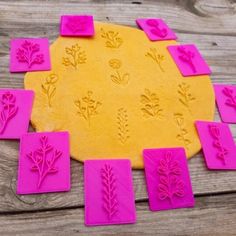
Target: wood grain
<point>211,25</point>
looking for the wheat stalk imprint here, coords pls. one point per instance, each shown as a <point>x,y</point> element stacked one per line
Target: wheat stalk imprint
<point>122,122</point>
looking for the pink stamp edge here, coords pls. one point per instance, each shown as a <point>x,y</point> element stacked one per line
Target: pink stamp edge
<point>132,196</point>
<point>65,188</point>
<point>16,66</point>
<point>153,202</point>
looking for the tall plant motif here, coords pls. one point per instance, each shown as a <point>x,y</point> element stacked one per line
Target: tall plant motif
<point>183,133</point>
<point>118,77</point>
<point>155,56</point>
<point>8,111</point>
<point>76,24</point>
<point>151,104</point>
<point>170,182</point>
<point>222,151</point>
<point>185,96</point>
<point>122,122</point>
<point>162,33</point>
<point>113,40</point>
<point>43,163</point>
<point>231,98</point>
<point>75,56</point>
<point>49,87</point>
<point>187,57</point>
<point>109,188</point>
<point>87,107</point>
<point>28,53</point>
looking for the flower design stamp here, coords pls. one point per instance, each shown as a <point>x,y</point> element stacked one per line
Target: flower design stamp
<point>109,196</point>
<point>217,144</point>
<point>168,180</point>
<point>226,102</point>
<point>44,163</point>
<point>74,25</point>
<point>189,60</point>
<point>156,29</point>
<point>29,55</point>
<point>113,40</point>
<point>15,109</point>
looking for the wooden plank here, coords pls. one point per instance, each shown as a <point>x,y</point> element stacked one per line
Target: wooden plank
<point>212,215</point>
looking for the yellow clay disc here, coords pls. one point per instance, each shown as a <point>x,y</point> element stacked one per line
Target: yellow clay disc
<point>118,93</point>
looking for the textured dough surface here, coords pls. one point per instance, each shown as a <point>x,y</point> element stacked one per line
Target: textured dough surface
<point>118,93</point>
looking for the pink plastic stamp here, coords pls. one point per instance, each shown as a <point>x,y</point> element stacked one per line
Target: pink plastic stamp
<point>109,196</point>
<point>226,102</point>
<point>217,144</point>
<point>15,111</point>
<point>168,180</point>
<point>29,54</point>
<point>44,163</point>
<point>77,25</point>
<point>156,29</point>
<point>189,60</point>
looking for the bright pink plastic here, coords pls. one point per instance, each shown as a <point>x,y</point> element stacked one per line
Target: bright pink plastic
<point>167,177</point>
<point>156,29</point>
<point>44,163</point>
<point>77,25</point>
<point>109,195</point>
<point>29,54</point>
<point>15,111</point>
<point>226,102</point>
<point>217,144</point>
<point>189,60</point>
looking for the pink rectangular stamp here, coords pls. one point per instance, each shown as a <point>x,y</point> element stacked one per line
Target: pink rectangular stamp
<point>226,102</point>
<point>44,163</point>
<point>167,177</point>
<point>109,196</point>
<point>156,29</point>
<point>15,111</point>
<point>217,144</point>
<point>74,25</point>
<point>29,54</point>
<point>189,60</point>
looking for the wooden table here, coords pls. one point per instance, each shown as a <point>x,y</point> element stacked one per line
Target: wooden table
<point>211,25</point>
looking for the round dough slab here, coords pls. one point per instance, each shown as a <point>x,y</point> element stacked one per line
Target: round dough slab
<point>118,93</point>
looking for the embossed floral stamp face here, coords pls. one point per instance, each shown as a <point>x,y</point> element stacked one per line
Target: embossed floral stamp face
<point>29,54</point>
<point>226,102</point>
<point>44,163</point>
<point>189,60</point>
<point>167,177</point>
<point>73,25</point>
<point>156,29</point>
<point>217,144</point>
<point>109,196</point>
<point>15,111</point>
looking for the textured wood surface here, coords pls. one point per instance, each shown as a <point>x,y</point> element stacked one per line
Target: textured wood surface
<point>211,25</point>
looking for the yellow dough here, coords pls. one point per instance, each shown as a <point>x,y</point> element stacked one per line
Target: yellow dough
<point>118,93</point>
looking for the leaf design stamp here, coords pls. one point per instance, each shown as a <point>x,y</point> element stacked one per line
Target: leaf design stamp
<point>49,87</point>
<point>118,77</point>
<point>222,151</point>
<point>75,57</point>
<point>110,202</point>
<point>167,178</point>
<point>9,109</point>
<point>187,57</point>
<point>123,127</point>
<point>109,195</point>
<point>113,40</point>
<point>170,183</point>
<point>231,97</point>
<point>156,57</point>
<point>151,104</point>
<point>42,164</point>
<point>87,107</point>
<point>183,133</point>
<point>217,144</point>
<point>185,96</point>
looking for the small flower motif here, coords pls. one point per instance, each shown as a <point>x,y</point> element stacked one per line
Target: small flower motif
<point>115,63</point>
